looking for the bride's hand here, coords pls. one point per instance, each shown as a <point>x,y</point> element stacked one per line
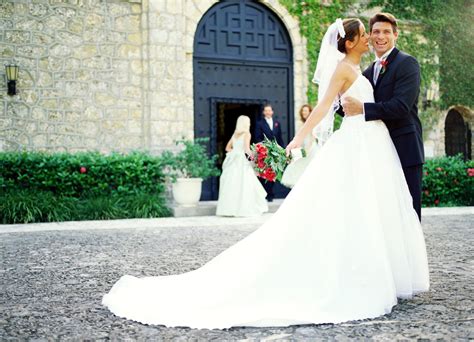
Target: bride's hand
<point>295,143</point>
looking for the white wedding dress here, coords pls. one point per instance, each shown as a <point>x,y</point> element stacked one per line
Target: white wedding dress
<point>296,168</point>
<point>343,246</point>
<point>240,191</point>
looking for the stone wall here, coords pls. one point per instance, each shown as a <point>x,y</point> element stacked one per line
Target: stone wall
<point>80,81</point>
<point>107,74</point>
<point>434,139</point>
<point>115,74</point>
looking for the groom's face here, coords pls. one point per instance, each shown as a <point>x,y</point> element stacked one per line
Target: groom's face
<point>383,37</point>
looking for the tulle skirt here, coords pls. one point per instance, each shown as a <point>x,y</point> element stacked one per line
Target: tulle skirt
<point>240,191</point>
<point>343,246</point>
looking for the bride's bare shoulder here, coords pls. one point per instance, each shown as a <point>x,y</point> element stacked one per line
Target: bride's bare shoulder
<point>343,70</point>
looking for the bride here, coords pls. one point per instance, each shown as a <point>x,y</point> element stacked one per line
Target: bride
<point>344,244</point>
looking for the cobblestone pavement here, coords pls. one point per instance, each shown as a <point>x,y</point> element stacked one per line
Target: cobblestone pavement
<point>52,282</point>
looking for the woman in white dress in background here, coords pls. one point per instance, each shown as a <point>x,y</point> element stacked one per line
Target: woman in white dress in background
<point>240,192</point>
<point>299,163</point>
<point>344,244</point>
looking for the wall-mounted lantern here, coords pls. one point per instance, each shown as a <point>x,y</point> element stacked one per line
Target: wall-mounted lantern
<point>429,97</point>
<point>12,77</point>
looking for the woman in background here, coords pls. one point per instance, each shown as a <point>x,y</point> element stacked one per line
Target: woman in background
<point>305,110</point>
<point>240,192</point>
<point>299,163</point>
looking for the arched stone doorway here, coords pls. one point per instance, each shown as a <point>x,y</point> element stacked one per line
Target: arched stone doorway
<point>457,137</point>
<point>243,57</point>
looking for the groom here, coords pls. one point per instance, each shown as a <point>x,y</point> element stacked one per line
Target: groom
<point>395,77</point>
<point>270,128</point>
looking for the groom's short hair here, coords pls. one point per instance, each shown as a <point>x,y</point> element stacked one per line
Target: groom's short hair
<point>267,104</point>
<point>383,17</point>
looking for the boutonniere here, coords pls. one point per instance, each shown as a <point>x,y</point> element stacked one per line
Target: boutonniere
<point>276,124</point>
<point>384,64</point>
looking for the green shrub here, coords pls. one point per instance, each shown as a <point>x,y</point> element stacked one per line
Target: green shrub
<point>42,187</point>
<point>27,206</point>
<point>145,206</point>
<point>82,174</point>
<point>448,181</point>
<point>191,162</point>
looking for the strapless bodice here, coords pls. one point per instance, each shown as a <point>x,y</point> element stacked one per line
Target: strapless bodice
<point>238,144</point>
<point>361,90</point>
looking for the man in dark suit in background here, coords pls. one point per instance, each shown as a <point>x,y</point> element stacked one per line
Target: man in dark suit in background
<point>270,128</point>
<point>395,76</point>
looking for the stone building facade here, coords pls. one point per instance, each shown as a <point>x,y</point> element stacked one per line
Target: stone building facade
<point>118,75</point>
<point>108,75</point>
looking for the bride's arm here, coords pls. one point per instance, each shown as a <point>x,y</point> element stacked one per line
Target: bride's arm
<point>336,84</point>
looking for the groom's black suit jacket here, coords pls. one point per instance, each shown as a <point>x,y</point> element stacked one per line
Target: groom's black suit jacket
<point>396,104</point>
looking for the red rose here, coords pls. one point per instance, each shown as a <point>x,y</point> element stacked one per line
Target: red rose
<point>260,148</point>
<point>82,169</point>
<point>384,64</point>
<point>260,164</point>
<point>269,174</point>
<point>439,169</point>
<point>427,192</point>
<point>426,173</point>
<point>436,202</point>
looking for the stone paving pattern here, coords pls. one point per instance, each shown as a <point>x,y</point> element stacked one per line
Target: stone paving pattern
<point>52,283</point>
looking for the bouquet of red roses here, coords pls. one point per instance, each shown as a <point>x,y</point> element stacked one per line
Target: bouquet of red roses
<point>269,160</point>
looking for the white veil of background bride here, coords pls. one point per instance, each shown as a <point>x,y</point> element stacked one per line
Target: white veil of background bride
<point>329,57</point>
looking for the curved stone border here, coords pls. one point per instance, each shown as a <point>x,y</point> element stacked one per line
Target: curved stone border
<point>186,222</point>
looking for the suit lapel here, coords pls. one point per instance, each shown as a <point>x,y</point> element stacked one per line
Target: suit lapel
<point>389,60</point>
<point>266,123</point>
<point>267,126</point>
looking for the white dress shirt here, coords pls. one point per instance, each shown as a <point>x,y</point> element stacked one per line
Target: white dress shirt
<point>269,122</point>
<point>377,68</point>
<point>378,64</point>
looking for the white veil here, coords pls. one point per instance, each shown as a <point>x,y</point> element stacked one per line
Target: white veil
<point>329,57</point>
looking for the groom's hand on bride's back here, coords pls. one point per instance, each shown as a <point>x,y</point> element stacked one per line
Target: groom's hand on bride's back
<point>352,106</point>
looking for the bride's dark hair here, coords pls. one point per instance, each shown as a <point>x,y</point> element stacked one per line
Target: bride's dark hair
<point>351,27</point>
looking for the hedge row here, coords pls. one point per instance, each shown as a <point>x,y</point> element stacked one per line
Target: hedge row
<point>26,206</point>
<point>448,181</point>
<point>42,187</point>
<point>82,174</point>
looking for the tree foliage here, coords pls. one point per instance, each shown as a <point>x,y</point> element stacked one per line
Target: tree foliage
<point>439,33</point>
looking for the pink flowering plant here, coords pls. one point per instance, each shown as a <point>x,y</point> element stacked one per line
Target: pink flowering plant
<point>448,181</point>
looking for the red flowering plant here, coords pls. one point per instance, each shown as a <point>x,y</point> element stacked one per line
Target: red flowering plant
<point>448,181</point>
<point>269,160</point>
